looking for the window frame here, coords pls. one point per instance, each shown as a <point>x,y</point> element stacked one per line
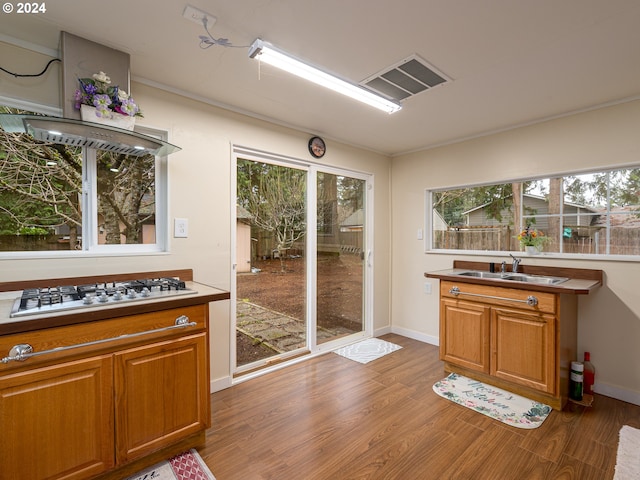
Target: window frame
<point>90,245</point>
<point>608,213</point>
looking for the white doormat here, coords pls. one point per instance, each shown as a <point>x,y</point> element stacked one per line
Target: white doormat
<point>628,459</point>
<point>367,350</point>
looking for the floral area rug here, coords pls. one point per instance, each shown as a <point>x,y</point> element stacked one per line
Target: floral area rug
<point>367,350</point>
<point>186,466</point>
<point>499,404</point>
<point>628,456</point>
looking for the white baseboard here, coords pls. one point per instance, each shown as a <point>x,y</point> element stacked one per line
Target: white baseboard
<point>382,331</point>
<point>219,384</point>
<point>618,393</point>
<point>405,332</point>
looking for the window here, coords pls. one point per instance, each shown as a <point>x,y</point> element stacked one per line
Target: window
<point>594,213</point>
<point>57,197</point>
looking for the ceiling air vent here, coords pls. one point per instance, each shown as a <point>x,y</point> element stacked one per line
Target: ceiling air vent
<point>411,76</point>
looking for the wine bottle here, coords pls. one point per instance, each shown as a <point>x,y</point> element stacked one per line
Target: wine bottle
<point>589,374</point>
<point>576,380</point>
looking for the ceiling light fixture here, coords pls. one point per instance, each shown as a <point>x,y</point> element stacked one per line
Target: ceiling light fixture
<point>267,53</point>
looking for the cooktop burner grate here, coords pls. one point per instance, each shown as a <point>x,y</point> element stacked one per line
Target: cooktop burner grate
<point>50,299</point>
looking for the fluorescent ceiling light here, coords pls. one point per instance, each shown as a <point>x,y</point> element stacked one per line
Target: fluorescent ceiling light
<point>267,53</point>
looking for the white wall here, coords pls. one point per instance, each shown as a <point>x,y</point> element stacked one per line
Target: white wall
<point>199,190</point>
<point>609,324</point>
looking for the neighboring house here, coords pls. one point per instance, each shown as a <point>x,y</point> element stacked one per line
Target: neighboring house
<point>351,231</point>
<point>535,209</point>
<point>243,240</point>
<point>481,231</point>
<point>354,222</point>
<point>439,223</point>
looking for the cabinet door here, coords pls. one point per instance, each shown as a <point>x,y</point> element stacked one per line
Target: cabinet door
<point>464,334</point>
<point>56,422</point>
<point>523,348</point>
<point>162,395</point>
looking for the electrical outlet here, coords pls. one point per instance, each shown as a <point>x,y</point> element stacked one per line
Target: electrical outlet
<point>196,16</point>
<point>427,288</point>
<point>180,228</point>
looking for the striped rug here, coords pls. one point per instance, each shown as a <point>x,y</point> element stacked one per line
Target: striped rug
<point>186,466</point>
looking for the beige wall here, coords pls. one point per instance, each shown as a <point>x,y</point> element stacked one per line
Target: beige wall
<point>609,324</point>
<point>199,190</point>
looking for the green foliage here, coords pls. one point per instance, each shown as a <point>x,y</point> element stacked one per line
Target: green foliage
<point>451,204</point>
<point>33,231</point>
<point>275,196</point>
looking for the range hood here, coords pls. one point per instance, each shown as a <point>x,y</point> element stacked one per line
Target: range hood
<point>82,58</point>
<point>69,131</point>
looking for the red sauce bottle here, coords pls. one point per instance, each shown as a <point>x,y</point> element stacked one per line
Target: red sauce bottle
<point>589,374</point>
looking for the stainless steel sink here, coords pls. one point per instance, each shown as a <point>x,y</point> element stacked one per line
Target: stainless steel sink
<point>514,277</point>
<point>540,279</point>
<point>481,274</point>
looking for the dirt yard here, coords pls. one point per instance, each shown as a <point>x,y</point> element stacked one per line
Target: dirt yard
<point>339,295</point>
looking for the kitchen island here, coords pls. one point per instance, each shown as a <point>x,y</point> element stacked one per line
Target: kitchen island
<point>105,389</point>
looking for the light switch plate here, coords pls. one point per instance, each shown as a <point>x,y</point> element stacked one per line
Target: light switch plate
<point>180,228</point>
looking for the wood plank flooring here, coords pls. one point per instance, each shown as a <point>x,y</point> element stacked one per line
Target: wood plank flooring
<point>333,418</point>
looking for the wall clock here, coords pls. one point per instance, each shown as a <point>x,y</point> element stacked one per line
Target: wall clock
<point>317,147</point>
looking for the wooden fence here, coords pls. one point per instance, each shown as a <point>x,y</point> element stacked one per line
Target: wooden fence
<point>593,241</point>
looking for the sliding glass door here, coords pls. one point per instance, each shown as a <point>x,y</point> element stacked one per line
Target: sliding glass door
<point>300,260</point>
<point>340,254</point>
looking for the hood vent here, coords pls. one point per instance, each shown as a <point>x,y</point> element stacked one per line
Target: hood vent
<point>407,78</point>
<point>82,58</point>
<point>69,131</point>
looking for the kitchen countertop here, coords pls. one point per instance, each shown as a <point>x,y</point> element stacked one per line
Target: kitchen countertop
<point>8,325</point>
<point>581,281</point>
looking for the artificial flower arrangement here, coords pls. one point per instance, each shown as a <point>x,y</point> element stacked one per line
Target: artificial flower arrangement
<point>107,99</point>
<point>530,237</point>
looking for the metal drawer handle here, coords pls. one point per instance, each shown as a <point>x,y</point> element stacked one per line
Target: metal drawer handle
<point>23,351</point>
<point>531,300</point>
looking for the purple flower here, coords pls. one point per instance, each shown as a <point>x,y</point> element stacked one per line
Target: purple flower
<point>103,111</point>
<point>129,107</point>
<point>101,101</point>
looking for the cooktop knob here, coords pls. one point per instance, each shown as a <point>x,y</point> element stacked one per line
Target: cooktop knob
<point>146,292</point>
<point>131,293</point>
<point>103,298</point>
<point>87,300</point>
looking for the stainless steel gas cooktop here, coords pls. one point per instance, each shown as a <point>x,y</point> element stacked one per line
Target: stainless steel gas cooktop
<point>54,299</point>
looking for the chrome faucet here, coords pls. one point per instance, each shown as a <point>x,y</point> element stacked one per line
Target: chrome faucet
<point>515,264</point>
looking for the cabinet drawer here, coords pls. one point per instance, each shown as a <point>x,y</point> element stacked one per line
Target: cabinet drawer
<point>501,296</point>
<point>110,334</point>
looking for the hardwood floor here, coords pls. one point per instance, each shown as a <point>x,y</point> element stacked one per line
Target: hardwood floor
<point>332,418</point>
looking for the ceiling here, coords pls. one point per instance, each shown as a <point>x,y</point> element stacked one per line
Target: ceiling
<point>511,62</point>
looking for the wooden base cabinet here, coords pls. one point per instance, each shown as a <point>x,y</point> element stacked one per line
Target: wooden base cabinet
<point>160,396</point>
<point>523,348</point>
<point>501,336</point>
<point>464,334</point>
<point>57,421</point>
<point>80,413</point>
